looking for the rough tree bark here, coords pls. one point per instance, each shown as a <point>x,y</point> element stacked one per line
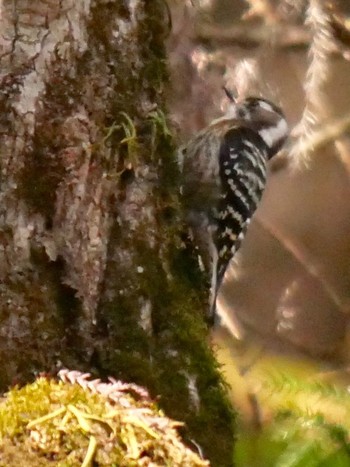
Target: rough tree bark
<point>94,274</point>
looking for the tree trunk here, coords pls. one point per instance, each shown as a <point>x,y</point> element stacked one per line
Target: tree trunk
<point>94,270</point>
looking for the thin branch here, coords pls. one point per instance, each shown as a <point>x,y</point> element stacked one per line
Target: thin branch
<point>331,132</point>
<point>327,134</point>
<point>304,259</point>
<point>288,36</point>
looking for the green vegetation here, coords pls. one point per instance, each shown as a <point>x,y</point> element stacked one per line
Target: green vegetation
<point>295,441</point>
<point>294,411</point>
<point>299,418</point>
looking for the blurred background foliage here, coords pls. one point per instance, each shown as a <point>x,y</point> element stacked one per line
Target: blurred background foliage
<point>289,287</point>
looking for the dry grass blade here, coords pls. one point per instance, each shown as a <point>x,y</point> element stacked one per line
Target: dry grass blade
<point>88,460</point>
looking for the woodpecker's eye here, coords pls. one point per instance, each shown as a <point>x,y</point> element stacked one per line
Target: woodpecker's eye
<point>256,104</point>
<point>243,113</point>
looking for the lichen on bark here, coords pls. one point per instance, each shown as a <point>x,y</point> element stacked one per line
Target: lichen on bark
<point>96,270</point>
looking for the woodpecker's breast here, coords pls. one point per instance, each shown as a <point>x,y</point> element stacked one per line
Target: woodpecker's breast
<point>200,169</point>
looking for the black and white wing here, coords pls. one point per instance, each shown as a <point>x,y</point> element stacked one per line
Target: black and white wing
<point>243,158</point>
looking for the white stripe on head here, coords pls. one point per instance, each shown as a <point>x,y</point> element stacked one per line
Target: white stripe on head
<point>267,106</point>
<point>273,134</point>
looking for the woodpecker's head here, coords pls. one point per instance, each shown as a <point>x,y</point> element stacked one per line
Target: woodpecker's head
<point>262,116</point>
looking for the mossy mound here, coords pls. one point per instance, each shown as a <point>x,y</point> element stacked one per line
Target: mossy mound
<point>78,422</point>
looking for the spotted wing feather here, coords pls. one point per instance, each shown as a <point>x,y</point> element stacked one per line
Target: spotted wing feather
<point>242,171</point>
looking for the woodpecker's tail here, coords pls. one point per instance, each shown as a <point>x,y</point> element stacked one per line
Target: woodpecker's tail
<point>224,316</point>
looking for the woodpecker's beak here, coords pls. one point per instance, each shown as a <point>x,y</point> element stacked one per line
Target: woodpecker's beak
<point>229,94</point>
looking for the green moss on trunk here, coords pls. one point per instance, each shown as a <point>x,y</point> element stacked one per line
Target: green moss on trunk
<point>103,115</point>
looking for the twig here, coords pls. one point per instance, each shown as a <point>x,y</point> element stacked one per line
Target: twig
<point>331,132</point>
<point>327,134</point>
<point>288,36</point>
<point>305,261</point>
